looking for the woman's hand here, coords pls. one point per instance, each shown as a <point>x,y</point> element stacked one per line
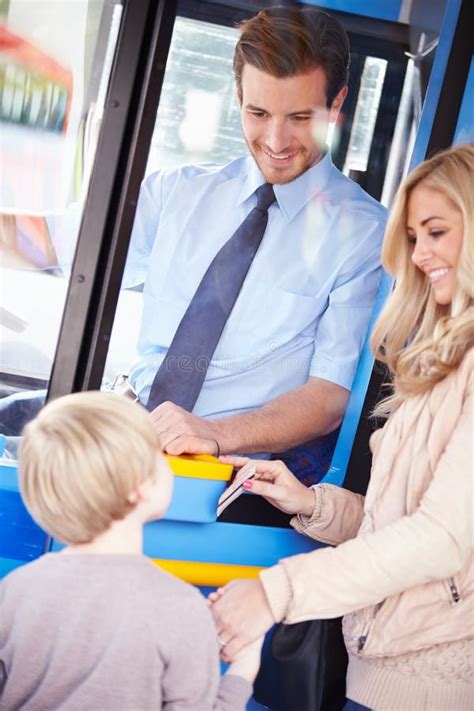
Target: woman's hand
<point>274,481</point>
<point>242,616</point>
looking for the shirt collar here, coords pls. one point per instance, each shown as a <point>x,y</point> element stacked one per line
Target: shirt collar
<point>291,197</point>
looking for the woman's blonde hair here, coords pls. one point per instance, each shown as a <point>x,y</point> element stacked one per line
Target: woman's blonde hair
<point>80,459</point>
<point>420,340</point>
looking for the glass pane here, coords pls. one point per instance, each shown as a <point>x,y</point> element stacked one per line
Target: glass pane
<point>198,118</point>
<point>55,61</point>
<point>370,91</point>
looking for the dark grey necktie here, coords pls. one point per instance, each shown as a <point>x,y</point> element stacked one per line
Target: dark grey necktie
<point>181,375</point>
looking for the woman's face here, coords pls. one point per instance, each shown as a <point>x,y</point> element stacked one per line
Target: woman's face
<point>435,229</point>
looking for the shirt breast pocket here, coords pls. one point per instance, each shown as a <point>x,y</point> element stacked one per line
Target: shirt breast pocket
<point>276,316</point>
<point>295,313</point>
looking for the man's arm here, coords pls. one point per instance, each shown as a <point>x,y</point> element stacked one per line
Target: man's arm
<point>315,408</point>
<point>297,416</point>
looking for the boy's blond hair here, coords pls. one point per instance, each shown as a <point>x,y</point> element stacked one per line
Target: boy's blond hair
<point>80,458</point>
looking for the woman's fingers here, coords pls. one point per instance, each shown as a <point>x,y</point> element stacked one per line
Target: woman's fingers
<point>234,459</point>
<point>287,494</point>
<point>264,468</point>
<point>265,488</point>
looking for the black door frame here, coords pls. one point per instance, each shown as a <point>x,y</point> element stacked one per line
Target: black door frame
<point>119,165</point>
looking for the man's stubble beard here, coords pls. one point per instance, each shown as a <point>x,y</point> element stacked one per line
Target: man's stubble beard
<point>271,178</point>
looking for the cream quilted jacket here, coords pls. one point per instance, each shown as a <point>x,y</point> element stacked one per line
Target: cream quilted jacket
<point>402,568</point>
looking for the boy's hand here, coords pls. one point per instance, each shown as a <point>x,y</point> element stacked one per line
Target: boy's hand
<point>242,615</point>
<point>274,481</point>
<point>247,662</point>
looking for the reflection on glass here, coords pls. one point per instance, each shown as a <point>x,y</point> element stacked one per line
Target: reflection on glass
<point>48,93</point>
<point>198,129</point>
<point>370,91</point>
<point>26,72</point>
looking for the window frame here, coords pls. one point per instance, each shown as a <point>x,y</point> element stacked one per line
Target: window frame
<point>109,210</point>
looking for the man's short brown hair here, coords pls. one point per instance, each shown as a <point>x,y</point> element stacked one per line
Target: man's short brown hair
<point>287,41</point>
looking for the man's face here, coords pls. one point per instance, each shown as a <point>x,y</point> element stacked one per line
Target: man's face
<point>285,120</point>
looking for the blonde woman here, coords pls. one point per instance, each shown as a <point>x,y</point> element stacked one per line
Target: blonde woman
<point>401,570</point>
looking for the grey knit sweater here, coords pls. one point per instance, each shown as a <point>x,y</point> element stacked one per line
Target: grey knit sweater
<point>102,632</point>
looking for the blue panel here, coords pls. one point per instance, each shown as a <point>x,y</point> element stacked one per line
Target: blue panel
<point>230,543</point>
<point>465,126</point>
<point>436,79</point>
<point>227,543</point>
<point>195,499</point>
<point>8,476</point>
<point>345,441</point>
<point>236,544</point>
<point>380,9</point>
<point>20,537</point>
<point>255,706</point>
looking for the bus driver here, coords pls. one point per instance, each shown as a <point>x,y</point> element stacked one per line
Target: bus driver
<point>288,346</point>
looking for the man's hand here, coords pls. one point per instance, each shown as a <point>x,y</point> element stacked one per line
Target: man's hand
<point>274,481</point>
<point>183,433</point>
<point>242,615</point>
<point>297,416</point>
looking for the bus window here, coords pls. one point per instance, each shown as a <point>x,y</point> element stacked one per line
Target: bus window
<point>197,121</point>
<point>198,118</point>
<point>50,109</point>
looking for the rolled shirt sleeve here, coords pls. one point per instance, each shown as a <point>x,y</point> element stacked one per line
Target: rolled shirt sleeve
<point>343,326</point>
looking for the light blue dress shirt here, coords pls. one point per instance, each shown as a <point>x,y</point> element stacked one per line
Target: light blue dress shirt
<point>306,301</point>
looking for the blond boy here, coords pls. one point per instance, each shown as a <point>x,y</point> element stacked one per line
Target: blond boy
<point>98,626</point>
